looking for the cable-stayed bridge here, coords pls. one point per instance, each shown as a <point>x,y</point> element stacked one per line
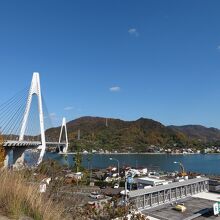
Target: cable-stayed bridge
<point>24,122</point>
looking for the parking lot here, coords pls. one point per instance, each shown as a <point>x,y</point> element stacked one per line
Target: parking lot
<point>194,206</point>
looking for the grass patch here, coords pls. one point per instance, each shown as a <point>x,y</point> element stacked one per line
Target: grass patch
<point>18,198</point>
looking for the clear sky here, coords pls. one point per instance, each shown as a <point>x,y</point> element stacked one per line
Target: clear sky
<point>116,58</point>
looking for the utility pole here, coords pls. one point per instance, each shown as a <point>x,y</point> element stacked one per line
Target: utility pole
<point>78,134</point>
<point>126,186</point>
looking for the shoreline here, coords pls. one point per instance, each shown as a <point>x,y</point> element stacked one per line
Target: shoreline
<point>132,153</point>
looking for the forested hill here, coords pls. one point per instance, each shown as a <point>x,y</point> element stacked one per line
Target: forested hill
<point>198,132</point>
<point>140,135</point>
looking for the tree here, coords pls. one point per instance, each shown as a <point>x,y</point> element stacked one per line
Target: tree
<point>78,161</point>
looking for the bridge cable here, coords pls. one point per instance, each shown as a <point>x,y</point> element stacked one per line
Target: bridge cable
<point>6,112</point>
<point>7,117</point>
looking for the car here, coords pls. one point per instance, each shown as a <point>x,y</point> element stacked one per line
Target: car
<point>95,195</point>
<point>103,187</point>
<point>180,208</point>
<point>116,186</point>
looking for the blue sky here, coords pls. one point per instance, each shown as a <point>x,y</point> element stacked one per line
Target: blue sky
<point>116,58</point>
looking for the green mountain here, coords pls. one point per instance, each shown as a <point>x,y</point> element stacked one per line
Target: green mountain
<point>138,136</point>
<point>199,133</point>
<point>135,136</point>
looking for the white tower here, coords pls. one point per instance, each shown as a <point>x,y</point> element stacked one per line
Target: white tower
<point>35,89</point>
<point>65,128</point>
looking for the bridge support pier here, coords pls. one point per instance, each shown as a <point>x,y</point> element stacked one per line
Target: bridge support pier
<point>8,152</point>
<point>14,156</point>
<point>18,157</point>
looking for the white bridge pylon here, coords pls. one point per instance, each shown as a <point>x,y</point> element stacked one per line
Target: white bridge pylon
<point>35,89</point>
<point>63,127</point>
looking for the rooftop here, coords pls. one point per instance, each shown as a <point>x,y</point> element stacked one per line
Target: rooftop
<point>194,206</point>
<point>140,192</point>
<point>208,195</point>
<point>155,180</point>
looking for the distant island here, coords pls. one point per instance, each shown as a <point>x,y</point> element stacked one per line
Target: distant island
<point>141,136</point>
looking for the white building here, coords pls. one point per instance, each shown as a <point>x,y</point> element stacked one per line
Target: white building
<point>147,181</point>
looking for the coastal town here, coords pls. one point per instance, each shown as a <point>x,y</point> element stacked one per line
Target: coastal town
<point>146,194</point>
<point>158,150</point>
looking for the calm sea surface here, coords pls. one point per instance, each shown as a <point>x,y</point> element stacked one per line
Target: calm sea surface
<point>203,163</point>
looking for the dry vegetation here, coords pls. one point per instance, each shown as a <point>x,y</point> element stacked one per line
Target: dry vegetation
<point>17,198</point>
<point>20,196</point>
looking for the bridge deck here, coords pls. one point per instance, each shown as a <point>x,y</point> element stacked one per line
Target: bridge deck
<point>28,143</point>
